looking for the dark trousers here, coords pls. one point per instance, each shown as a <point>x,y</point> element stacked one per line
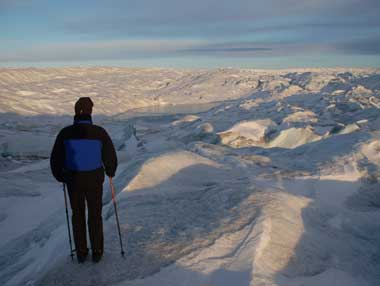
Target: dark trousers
<point>82,191</point>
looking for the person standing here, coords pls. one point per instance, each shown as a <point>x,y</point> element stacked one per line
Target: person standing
<point>81,154</point>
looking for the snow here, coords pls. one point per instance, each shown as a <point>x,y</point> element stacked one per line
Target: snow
<point>294,137</point>
<point>372,151</point>
<point>160,169</point>
<point>24,144</point>
<point>301,116</point>
<point>254,131</point>
<point>226,177</point>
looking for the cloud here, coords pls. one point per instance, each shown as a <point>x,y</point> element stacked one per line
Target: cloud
<point>217,17</point>
<point>368,46</point>
<point>125,29</point>
<point>153,48</point>
<point>234,50</point>
<point>99,50</point>
<point>8,4</point>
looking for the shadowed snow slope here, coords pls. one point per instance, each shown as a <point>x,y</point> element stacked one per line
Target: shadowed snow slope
<point>158,170</point>
<point>294,137</point>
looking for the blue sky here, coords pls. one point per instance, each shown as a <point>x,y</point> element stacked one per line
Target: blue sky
<point>197,33</point>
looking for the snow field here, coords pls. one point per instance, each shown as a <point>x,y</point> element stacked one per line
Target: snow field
<point>276,183</point>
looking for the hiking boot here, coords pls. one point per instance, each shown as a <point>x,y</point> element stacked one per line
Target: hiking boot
<point>82,256</point>
<point>97,256</point>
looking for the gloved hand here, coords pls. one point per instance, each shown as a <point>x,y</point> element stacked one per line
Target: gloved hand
<point>64,176</point>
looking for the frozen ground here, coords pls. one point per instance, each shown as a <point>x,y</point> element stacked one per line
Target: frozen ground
<point>260,178</point>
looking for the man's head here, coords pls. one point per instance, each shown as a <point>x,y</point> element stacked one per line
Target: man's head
<point>84,106</point>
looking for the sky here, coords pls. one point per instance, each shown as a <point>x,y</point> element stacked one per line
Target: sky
<point>190,34</point>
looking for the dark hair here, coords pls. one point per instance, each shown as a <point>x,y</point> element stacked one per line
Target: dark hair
<point>84,106</point>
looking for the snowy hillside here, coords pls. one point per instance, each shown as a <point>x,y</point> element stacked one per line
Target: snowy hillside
<point>226,177</point>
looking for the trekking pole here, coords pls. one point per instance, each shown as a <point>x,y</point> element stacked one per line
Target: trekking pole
<point>68,224</point>
<point>117,217</point>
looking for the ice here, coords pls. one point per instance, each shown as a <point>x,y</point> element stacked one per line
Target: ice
<point>24,145</point>
<point>226,176</point>
<point>253,132</point>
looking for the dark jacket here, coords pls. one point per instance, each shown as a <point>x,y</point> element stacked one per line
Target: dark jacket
<point>83,149</point>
